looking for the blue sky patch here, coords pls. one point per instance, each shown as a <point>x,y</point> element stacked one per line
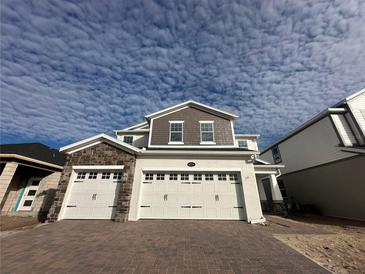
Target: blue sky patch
<point>73,69</point>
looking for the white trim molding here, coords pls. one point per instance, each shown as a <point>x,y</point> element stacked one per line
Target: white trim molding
<point>199,152</point>
<point>98,167</point>
<point>187,104</point>
<point>182,133</point>
<point>96,140</point>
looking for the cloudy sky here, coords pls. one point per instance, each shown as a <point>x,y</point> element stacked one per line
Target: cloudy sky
<point>73,69</point>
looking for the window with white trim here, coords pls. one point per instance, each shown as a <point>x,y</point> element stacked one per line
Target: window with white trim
<point>184,177</point>
<point>128,139</point>
<point>276,154</point>
<point>206,132</point>
<point>81,175</point>
<point>208,177</point>
<point>117,176</point>
<point>160,176</point>
<point>148,176</point>
<point>173,177</point>
<point>222,177</point>
<point>93,175</point>
<point>176,132</point>
<point>242,143</point>
<point>105,175</point>
<point>197,177</point>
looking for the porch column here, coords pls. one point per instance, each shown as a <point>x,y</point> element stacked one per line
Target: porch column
<point>6,178</point>
<point>262,193</point>
<point>275,191</point>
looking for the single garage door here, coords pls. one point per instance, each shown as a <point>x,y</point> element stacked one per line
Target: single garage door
<point>93,195</point>
<point>170,195</point>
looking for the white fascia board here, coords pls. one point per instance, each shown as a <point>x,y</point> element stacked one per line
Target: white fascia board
<point>132,131</point>
<point>116,167</point>
<point>247,136</point>
<point>197,153</point>
<point>94,140</point>
<point>143,124</point>
<point>355,95</point>
<point>350,97</point>
<point>189,103</point>
<point>268,166</point>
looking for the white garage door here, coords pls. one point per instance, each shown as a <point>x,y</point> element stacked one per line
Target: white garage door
<point>192,196</point>
<point>93,195</point>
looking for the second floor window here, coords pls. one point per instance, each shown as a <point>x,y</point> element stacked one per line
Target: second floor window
<point>276,154</point>
<point>176,131</point>
<point>206,131</point>
<point>128,139</point>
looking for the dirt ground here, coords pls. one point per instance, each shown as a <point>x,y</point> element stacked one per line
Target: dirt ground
<point>341,250</point>
<point>15,222</point>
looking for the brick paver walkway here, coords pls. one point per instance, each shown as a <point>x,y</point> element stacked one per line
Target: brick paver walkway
<point>150,247</point>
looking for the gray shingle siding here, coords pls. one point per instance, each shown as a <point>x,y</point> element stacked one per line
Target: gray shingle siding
<point>191,117</point>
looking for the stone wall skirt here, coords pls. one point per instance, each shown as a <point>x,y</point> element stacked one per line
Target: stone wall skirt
<point>100,154</point>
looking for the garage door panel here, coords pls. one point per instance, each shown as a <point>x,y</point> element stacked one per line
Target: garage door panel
<point>205,196</point>
<point>93,197</point>
<point>212,212</point>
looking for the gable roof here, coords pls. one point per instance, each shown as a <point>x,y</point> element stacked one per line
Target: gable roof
<point>191,103</point>
<point>36,151</point>
<point>98,139</point>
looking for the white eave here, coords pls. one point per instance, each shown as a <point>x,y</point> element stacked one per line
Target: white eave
<point>135,127</point>
<point>198,152</point>
<point>131,131</point>
<point>96,140</point>
<point>269,166</point>
<point>348,98</point>
<point>247,135</point>
<point>191,103</point>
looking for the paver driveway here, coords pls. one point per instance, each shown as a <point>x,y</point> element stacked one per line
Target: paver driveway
<point>150,247</point>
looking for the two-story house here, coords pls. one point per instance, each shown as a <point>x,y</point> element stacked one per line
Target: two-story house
<point>183,162</point>
<point>325,160</point>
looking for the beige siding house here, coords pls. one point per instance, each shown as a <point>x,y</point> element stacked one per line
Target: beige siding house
<point>324,160</point>
<point>183,162</point>
<point>29,178</point>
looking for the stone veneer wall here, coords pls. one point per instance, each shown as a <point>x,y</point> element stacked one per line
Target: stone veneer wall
<point>100,154</point>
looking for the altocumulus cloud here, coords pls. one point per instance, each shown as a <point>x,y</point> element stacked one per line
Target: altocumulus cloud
<point>72,69</point>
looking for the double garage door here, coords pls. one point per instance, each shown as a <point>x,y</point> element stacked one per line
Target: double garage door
<point>172,195</point>
<point>165,195</point>
<point>93,195</point>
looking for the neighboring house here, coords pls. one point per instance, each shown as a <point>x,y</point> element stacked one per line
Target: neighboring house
<point>183,162</point>
<point>29,177</point>
<point>325,160</point>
